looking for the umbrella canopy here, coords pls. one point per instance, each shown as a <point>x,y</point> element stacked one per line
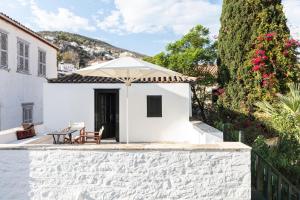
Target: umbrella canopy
<point>127,70</point>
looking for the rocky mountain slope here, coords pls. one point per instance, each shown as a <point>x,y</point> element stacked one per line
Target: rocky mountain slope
<point>82,51</point>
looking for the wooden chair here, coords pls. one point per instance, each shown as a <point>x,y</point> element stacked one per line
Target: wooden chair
<point>91,137</point>
<point>75,126</point>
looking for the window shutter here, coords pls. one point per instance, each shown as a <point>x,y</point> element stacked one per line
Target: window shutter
<point>21,49</point>
<point>3,43</point>
<point>42,63</point>
<point>154,106</point>
<point>21,63</point>
<point>44,58</point>
<point>3,59</point>
<point>26,65</point>
<point>26,50</point>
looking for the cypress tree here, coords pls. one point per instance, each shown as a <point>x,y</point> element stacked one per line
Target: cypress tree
<point>243,22</point>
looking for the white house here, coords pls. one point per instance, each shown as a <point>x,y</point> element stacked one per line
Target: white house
<point>159,108</point>
<point>26,61</point>
<point>65,68</point>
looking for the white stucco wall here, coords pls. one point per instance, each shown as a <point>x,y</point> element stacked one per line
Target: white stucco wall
<point>17,88</point>
<point>220,172</point>
<point>75,103</point>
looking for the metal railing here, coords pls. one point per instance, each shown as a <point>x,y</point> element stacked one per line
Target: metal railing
<point>268,183</point>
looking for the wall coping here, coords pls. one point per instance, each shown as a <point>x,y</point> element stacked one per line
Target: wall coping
<point>224,146</point>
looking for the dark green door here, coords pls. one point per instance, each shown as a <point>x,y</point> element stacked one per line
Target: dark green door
<point>107,112</point>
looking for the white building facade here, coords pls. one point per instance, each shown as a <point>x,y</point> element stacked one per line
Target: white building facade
<point>26,61</point>
<point>159,111</point>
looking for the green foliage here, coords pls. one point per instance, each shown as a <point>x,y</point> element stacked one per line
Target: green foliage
<point>189,53</point>
<point>245,29</point>
<point>283,116</point>
<point>190,56</point>
<point>261,147</point>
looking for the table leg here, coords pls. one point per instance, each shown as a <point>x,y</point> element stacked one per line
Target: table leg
<point>58,137</point>
<point>70,136</point>
<point>54,140</point>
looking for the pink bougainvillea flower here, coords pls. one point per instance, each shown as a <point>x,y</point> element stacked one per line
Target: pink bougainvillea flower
<point>265,76</point>
<point>255,68</point>
<point>292,43</point>
<point>262,64</point>
<point>265,83</point>
<point>270,36</point>
<point>260,52</point>
<point>265,57</point>
<point>288,45</point>
<point>256,61</point>
<point>285,53</point>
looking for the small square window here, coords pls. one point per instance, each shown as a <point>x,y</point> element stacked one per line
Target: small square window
<point>27,112</point>
<point>154,106</point>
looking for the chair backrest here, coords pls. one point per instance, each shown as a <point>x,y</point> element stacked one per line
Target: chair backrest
<point>101,130</point>
<point>76,125</point>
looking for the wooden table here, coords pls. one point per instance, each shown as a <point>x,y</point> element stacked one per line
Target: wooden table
<point>58,134</point>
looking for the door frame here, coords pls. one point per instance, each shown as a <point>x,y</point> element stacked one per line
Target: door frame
<point>114,91</point>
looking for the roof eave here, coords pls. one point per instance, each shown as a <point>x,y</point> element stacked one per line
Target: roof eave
<point>27,30</point>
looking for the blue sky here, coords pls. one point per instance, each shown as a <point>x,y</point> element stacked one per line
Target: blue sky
<point>145,26</point>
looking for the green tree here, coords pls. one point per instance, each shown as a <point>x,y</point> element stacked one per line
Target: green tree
<point>190,56</point>
<point>243,24</point>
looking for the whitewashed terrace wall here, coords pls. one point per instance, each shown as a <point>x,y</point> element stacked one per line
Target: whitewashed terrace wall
<point>215,172</point>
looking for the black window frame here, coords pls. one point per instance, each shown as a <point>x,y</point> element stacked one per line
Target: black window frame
<point>155,111</point>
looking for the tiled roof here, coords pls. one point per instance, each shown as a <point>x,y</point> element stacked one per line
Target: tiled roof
<point>75,78</point>
<point>25,29</point>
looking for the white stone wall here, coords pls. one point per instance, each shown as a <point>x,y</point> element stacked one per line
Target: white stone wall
<point>81,174</point>
<point>17,88</point>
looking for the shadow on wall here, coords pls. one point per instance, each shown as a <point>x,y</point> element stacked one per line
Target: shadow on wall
<point>152,172</point>
<point>15,179</point>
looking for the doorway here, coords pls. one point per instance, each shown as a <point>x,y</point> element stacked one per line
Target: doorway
<point>107,112</point>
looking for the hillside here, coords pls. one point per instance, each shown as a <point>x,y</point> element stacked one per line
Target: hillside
<point>81,50</point>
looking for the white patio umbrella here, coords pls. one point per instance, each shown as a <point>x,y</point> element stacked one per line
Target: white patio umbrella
<point>127,70</point>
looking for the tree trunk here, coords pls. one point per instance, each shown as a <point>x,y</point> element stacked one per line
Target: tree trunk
<point>201,105</point>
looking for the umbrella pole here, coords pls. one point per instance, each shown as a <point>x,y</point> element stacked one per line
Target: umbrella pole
<point>127,115</point>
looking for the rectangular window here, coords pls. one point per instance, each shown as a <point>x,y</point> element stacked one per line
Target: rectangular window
<point>42,63</point>
<point>154,106</point>
<point>27,112</point>
<point>3,50</point>
<point>23,56</point>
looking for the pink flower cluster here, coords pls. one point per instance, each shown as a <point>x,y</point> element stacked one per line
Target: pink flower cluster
<point>266,79</point>
<point>270,36</point>
<point>259,60</point>
<point>292,43</point>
